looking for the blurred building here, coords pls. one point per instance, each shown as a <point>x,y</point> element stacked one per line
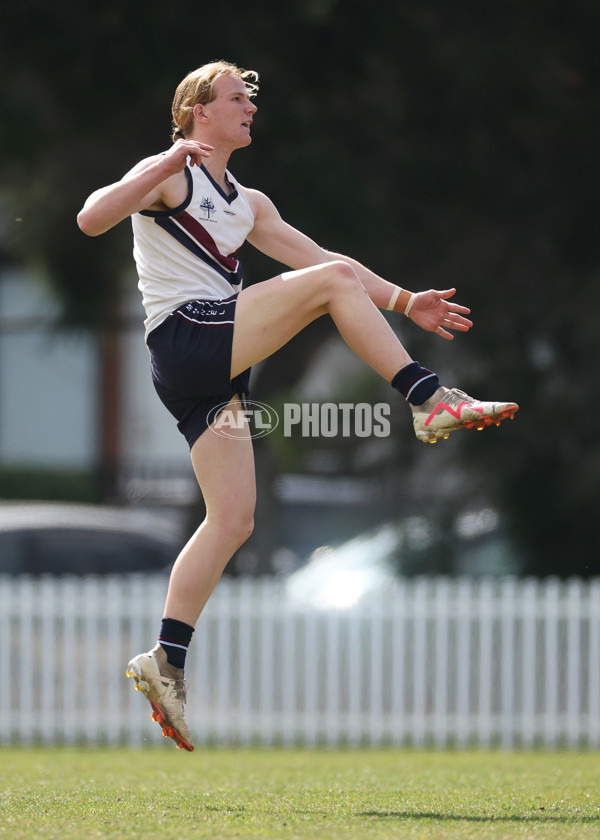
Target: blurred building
<point>79,402</point>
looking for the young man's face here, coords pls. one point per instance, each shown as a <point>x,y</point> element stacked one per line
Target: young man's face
<point>229,115</point>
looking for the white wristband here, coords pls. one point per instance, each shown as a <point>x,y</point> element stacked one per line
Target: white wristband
<point>409,304</point>
<point>394,298</point>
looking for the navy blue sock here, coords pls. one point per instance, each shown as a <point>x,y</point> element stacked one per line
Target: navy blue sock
<point>175,637</point>
<point>415,383</point>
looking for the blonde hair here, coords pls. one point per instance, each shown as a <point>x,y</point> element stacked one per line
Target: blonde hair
<point>198,88</point>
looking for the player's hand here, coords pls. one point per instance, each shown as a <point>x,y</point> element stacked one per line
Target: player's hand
<point>176,158</point>
<point>432,312</point>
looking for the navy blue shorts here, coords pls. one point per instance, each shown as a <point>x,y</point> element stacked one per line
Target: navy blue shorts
<point>191,363</point>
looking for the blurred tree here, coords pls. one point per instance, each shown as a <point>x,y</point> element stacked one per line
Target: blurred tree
<point>441,145</point>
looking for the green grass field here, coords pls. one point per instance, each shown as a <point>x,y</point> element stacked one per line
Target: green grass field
<point>78,794</point>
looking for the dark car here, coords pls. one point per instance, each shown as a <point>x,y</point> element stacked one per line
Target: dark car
<point>70,539</point>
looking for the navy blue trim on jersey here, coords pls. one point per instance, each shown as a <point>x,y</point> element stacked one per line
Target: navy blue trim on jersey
<point>170,227</point>
<point>156,214</point>
<point>228,197</point>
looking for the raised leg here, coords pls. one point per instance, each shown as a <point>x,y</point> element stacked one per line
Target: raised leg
<point>270,313</point>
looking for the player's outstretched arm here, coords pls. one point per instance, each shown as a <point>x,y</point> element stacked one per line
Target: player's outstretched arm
<point>430,310</point>
<point>155,182</point>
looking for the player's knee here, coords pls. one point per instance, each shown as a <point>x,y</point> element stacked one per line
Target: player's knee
<point>341,277</point>
<point>245,528</point>
<point>237,528</point>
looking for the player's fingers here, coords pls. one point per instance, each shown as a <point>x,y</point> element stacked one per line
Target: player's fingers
<point>457,322</point>
<point>456,319</point>
<point>444,333</point>
<point>456,307</point>
<point>196,157</point>
<point>193,144</point>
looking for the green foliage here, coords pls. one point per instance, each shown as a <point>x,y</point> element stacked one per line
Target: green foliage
<point>118,795</point>
<point>50,484</point>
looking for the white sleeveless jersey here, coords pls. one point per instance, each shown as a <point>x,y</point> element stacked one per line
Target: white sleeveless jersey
<point>188,253</point>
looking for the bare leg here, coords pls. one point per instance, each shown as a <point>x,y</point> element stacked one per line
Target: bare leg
<point>224,467</point>
<point>270,313</point>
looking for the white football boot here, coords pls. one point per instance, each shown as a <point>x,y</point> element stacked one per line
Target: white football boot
<point>165,689</point>
<point>450,409</point>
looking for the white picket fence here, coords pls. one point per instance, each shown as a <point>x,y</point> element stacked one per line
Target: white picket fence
<point>429,662</point>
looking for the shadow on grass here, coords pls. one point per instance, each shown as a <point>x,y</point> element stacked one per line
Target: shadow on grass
<point>525,818</point>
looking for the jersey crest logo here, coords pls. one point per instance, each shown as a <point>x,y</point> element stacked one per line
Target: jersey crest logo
<point>208,206</point>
